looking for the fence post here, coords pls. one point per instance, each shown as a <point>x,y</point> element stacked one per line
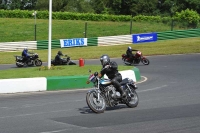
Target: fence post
<point>131,26</point>
<point>85,30</point>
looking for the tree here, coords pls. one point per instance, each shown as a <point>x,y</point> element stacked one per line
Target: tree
<point>84,6</point>
<point>117,7</point>
<point>18,4</point>
<point>99,6</point>
<point>192,4</point>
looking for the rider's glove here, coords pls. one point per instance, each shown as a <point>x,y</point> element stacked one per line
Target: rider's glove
<point>107,66</point>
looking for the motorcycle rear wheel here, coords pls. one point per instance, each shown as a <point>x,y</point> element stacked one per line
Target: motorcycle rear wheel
<point>19,65</point>
<point>93,103</point>
<point>38,62</point>
<point>145,61</point>
<point>133,99</point>
<point>126,62</point>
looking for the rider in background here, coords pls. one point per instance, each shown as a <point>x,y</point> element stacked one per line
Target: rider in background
<point>110,68</point>
<point>25,55</point>
<point>130,54</point>
<point>58,58</point>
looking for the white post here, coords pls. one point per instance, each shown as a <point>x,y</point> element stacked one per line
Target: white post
<point>34,14</point>
<point>50,31</point>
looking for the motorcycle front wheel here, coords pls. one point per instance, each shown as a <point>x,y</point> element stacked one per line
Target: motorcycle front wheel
<point>38,62</point>
<point>72,63</point>
<point>145,61</point>
<point>132,98</point>
<point>97,106</point>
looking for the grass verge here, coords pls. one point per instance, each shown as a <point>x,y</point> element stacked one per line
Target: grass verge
<point>56,71</point>
<point>19,29</point>
<point>178,46</point>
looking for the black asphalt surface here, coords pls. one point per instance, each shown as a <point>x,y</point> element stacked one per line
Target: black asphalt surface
<point>169,97</point>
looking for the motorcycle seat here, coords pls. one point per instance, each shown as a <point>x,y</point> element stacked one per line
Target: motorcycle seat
<point>124,81</point>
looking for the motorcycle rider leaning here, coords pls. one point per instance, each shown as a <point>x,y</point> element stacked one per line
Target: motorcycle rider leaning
<point>25,55</point>
<point>58,58</point>
<point>110,68</point>
<point>129,53</point>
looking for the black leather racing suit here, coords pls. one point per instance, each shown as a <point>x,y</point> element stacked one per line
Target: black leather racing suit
<point>114,75</point>
<point>130,54</point>
<point>58,59</point>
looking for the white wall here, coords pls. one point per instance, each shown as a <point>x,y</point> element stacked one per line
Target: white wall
<point>18,46</point>
<point>23,85</point>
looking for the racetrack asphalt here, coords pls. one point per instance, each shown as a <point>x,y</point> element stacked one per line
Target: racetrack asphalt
<point>169,103</point>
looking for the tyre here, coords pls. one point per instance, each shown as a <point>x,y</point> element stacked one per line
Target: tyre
<point>72,63</point>
<point>145,61</point>
<point>132,98</point>
<point>126,62</point>
<point>53,62</point>
<point>38,62</point>
<point>18,65</point>
<point>93,103</point>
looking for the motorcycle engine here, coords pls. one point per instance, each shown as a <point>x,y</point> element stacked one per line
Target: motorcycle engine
<point>113,94</point>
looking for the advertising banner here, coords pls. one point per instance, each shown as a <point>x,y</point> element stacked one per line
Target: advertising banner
<point>76,42</point>
<point>147,37</point>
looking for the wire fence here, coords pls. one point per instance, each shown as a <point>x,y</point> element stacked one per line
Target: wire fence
<point>14,30</point>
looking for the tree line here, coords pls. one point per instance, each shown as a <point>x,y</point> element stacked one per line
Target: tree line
<point>115,7</point>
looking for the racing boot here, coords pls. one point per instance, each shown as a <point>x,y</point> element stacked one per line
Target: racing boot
<point>123,94</point>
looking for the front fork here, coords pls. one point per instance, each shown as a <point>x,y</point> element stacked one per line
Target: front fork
<point>134,86</point>
<point>98,93</point>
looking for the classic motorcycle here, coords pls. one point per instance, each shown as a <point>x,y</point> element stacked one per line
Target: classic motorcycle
<point>65,61</point>
<point>105,94</point>
<point>137,59</point>
<point>33,60</point>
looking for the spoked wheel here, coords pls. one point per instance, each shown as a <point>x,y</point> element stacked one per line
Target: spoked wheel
<point>133,99</point>
<point>97,106</point>
<point>145,61</point>
<point>38,62</point>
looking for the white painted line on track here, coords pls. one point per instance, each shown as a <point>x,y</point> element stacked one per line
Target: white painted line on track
<point>157,88</point>
<point>39,104</point>
<point>145,79</point>
<point>22,115</point>
<point>57,131</point>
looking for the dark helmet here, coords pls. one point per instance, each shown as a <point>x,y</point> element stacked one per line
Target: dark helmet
<point>129,48</point>
<point>60,53</point>
<point>105,60</point>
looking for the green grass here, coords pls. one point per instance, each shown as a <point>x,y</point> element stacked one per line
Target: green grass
<point>14,29</point>
<point>178,46</point>
<point>58,71</point>
<point>18,29</point>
